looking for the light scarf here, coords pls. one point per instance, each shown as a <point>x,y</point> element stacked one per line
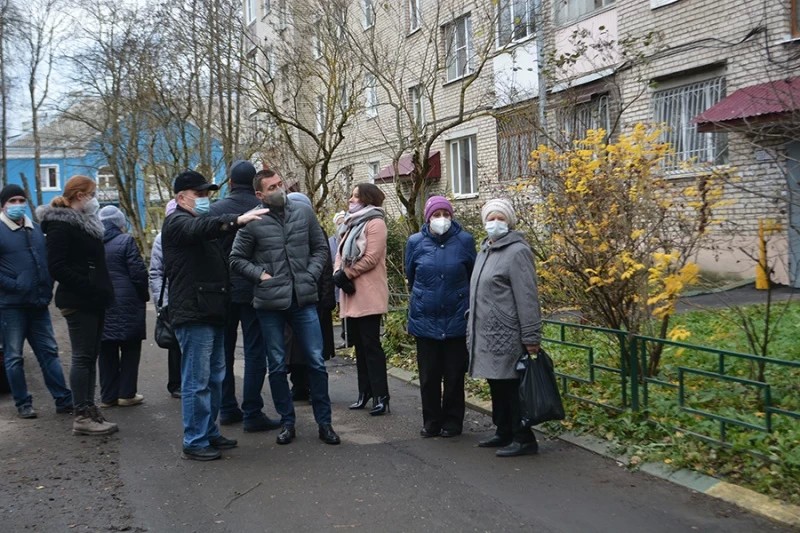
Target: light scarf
<point>354,242</point>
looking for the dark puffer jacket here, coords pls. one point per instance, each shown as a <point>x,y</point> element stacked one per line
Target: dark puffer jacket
<point>291,248</point>
<point>125,318</point>
<point>24,279</point>
<point>76,258</point>
<point>195,267</point>
<point>438,269</point>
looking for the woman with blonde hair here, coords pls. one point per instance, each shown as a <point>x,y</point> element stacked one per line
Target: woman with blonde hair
<point>76,258</point>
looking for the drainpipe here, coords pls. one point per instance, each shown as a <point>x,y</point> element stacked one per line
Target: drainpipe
<point>539,29</point>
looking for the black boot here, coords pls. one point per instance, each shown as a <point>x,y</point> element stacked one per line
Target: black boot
<point>361,402</point>
<point>380,406</point>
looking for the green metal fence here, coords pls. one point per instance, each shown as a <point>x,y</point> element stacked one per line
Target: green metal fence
<point>702,391</point>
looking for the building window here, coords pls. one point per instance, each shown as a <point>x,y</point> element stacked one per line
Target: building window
<point>675,108</point>
<point>344,98</point>
<point>458,40</point>
<point>414,15</point>
<point>267,7</point>
<point>576,120</point>
<point>373,170</point>
<point>795,18</point>
<point>316,44</point>
<point>463,166</point>
<point>571,10</point>
<point>48,178</point>
<point>516,139</point>
<point>371,95</point>
<point>320,114</point>
<point>369,13</point>
<point>105,178</point>
<point>250,10</point>
<point>417,106</point>
<point>515,22</point>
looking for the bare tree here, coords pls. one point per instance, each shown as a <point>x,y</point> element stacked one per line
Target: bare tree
<point>8,20</point>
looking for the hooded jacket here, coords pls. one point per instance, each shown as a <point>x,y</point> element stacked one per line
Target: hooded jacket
<point>76,258</point>
<point>125,317</point>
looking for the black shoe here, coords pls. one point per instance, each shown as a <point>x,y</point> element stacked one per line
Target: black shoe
<point>260,423</point>
<point>448,433</point>
<point>201,454</point>
<point>233,418</point>
<point>496,441</point>
<point>518,448</point>
<point>26,411</point>
<point>286,435</point>
<point>328,435</point>
<point>361,402</point>
<point>380,406</point>
<point>65,409</point>
<point>221,443</point>
<point>428,433</point>
<point>176,394</point>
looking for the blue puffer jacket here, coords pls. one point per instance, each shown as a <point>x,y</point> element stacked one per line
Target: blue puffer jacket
<point>438,269</point>
<point>24,278</point>
<point>125,318</point>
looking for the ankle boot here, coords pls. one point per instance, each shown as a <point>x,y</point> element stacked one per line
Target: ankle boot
<point>361,403</point>
<point>380,406</point>
<point>89,421</point>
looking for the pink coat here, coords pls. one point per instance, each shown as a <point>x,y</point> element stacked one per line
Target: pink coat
<point>368,275</point>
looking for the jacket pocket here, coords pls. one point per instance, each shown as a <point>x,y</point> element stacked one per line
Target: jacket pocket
<point>503,338</point>
<point>274,294</point>
<point>212,299</point>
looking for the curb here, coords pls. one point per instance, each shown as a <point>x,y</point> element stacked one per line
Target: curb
<point>744,498</point>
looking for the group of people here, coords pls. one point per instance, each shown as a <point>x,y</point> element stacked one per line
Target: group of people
<point>260,259</point>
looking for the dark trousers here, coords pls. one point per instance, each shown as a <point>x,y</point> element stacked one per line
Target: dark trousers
<point>442,361</point>
<point>298,370</point>
<point>85,330</point>
<point>507,412</point>
<point>365,334</point>
<point>229,405</point>
<point>174,370</point>
<point>119,369</point>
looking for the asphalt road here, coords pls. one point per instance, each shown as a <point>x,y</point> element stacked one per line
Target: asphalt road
<point>383,477</point>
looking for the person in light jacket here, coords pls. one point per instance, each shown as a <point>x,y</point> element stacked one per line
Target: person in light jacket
<point>504,323</point>
<point>360,273</point>
<point>438,264</point>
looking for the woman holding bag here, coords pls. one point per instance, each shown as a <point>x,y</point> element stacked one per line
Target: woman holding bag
<point>504,323</point>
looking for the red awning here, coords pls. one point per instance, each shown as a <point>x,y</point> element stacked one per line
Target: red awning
<point>405,167</point>
<point>762,103</point>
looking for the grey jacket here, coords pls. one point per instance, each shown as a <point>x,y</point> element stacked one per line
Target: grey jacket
<point>291,248</point>
<point>504,310</point>
<point>156,273</point>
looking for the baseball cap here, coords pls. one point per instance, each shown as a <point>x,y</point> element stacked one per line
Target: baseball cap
<point>191,180</point>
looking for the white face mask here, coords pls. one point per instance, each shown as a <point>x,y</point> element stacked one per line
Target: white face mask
<point>91,206</point>
<point>496,229</point>
<point>440,225</point>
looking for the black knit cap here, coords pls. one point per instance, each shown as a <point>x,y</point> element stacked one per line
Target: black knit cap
<point>9,192</point>
<point>242,173</point>
<point>191,180</point>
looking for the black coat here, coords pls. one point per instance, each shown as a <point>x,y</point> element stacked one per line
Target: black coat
<point>76,258</point>
<point>196,267</point>
<point>237,202</point>
<point>327,292</point>
<point>125,318</point>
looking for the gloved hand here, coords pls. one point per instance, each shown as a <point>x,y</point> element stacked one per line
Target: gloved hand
<point>341,280</point>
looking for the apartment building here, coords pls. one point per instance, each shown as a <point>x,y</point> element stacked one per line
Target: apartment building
<point>461,79</point>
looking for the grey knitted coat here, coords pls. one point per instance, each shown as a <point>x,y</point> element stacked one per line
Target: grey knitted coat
<point>504,310</point>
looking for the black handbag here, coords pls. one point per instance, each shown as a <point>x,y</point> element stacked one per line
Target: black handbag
<point>538,391</point>
<point>165,335</point>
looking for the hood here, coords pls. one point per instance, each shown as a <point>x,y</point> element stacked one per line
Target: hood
<point>112,230</point>
<point>508,239</point>
<point>88,223</point>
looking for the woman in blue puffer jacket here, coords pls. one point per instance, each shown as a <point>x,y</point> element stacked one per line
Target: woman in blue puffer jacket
<point>124,328</point>
<point>438,264</point>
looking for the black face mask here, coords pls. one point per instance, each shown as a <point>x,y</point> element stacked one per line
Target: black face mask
<point>275,199</point>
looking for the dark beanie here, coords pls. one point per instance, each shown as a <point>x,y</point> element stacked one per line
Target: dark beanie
<point>242,173</point>
<point>9,192</point>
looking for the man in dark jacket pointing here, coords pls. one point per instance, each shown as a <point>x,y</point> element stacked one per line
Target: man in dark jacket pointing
<point>284,254</point>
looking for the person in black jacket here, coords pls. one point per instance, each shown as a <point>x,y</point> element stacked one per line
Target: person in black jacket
<point>76,259</point>
<point>196,275</point>
<point>124,328</point>
<point>240,199</point>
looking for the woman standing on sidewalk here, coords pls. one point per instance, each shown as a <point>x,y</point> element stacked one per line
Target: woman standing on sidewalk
<point>504,322</point>
<point>76,259</point>
<point>360,273</point>
<point>438,264</point>
<point>124,328</point>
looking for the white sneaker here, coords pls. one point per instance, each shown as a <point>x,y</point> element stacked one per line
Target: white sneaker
<point>127,402</point>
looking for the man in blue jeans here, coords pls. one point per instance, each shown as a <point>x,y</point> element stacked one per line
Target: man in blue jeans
<point>283,255</point>
<point>25,291</point>
<point>196,276</point>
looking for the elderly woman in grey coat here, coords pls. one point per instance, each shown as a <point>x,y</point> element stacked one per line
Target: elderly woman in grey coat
<point>504,323</point>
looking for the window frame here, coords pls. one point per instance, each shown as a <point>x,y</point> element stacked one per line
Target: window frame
<point>106,177</point>
<point>371,95</point>
<point>250,11</point>
<point>530,26</point>
<point>455,167</point>
<point>576,118</point>
<point>47,187</point>
<point>452,49</point>
<point>557,10</point>
<point>414,16</point>
<point>373,171</point>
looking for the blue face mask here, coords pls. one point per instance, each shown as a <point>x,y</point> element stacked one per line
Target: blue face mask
<point>201,206</point>
<point>16,212</point>
<point>496,229</point>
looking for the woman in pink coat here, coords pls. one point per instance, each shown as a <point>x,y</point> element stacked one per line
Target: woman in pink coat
<point>360,273</point>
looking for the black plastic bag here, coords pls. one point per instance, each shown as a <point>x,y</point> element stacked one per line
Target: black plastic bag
<point>538,392</point>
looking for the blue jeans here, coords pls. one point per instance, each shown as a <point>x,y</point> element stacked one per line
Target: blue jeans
<point>304,322</point>
<point>33,324</point>
<point>202,372</point>
<point>255,363</point>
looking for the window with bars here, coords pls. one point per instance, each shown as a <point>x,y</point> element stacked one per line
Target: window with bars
<point>414,15</point>
<point>48,177</point>
<point>515,21</point>
<point>463,166</point>
<point>576,120</point>
<point>675,108</point>
<point>516,139</point>
<point>570,10</point>
<point>458,41</point>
